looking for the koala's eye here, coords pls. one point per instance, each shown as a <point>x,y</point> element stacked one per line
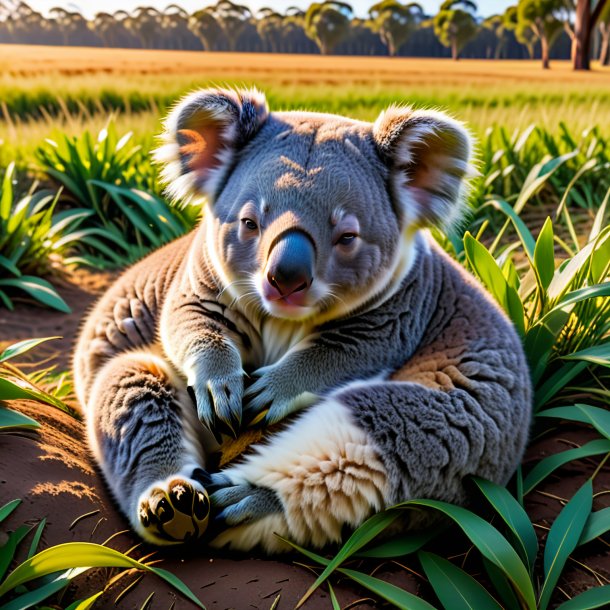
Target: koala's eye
<point>249,224</point>
<point>346,239</point>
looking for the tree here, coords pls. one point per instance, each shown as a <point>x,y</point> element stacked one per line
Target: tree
<point>604,28</point>
<point>540,17</point>
<point>233,19</point>
<point>327,23</point>
<point>585,21</point>
<point>395,22</point>
<point>455,24</point>
<point>203,24</point>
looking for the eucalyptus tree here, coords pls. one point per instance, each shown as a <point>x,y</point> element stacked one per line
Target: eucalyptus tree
<point>604,29</point>
<point>542,18</point>
<point>328,23</point>
<point>588,13</point>
<point>455,24</point>
<point>68,22</point>
<point>270,27</point>
<point>145,22</point>
<point>174,23</point>
<point>206,28</point>
<point>233,19</point>
<point>104,26</point>
<point>395,22</point>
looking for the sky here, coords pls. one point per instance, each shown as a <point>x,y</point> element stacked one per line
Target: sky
<point>87,8</point>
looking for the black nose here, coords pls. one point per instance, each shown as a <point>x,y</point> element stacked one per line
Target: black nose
<point>291,263</point>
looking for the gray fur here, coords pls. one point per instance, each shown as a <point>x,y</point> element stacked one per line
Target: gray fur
<point>448,392</point>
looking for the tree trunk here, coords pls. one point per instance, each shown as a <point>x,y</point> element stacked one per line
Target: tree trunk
<point>544,44</point>
<point>582,36</point>
<point>454,50</point>
<point>604,54</point>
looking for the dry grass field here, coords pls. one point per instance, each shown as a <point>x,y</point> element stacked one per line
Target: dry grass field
<point>73,88</point>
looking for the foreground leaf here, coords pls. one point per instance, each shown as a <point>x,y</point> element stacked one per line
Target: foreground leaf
<point>13,419</point>
<point>598,597</point>
<point>546,466</point>
<point>85,555</point>
<point>456,589</point>
<point>514,516</point>
<point>563,538</point>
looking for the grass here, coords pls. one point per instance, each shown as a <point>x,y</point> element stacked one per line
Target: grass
<point>74,89</point>
<point>538,238</point>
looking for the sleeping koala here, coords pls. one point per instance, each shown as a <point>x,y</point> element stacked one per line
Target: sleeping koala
<point>309,278</point>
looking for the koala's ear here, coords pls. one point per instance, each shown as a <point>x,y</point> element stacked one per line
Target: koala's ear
<point>202,135</point>
<point>428,154</point>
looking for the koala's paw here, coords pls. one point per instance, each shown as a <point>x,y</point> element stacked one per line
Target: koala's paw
<point>173,511</point>
<point>242,503</point>
<point>272,396</point>
<point>219,404</point>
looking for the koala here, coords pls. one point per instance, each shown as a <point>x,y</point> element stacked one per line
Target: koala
<point>310,294</point>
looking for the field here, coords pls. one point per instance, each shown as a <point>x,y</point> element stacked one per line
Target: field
<point>80,200</point>
<point>71,89</point>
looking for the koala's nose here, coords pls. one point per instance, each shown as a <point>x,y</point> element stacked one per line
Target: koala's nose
<point>291,264</point>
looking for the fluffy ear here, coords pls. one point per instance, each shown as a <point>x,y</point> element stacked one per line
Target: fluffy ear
<point>202,135</point>
<point>429,157</point>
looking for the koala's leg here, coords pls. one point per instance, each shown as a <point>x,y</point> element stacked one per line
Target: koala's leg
<point>366,447</point>
<point>142,430</point>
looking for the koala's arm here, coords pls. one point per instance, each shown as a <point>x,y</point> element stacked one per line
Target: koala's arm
<point>198,339</point>
<point>360,347</point>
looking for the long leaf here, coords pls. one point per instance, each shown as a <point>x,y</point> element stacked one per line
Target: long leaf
<point>490,543</point>
<point>370,529</point>
<point>563,538</point>
<point>456,589</point>
<point>83,554</point>
<point>8,508</point>
<point>597,597</point>
<point>12,419</point>
<point>23,346</point>
<point>597,525</point>
<point>514,516</point>
<point>549,464</point>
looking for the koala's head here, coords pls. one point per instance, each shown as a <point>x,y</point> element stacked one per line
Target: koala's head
<point>311,215</point>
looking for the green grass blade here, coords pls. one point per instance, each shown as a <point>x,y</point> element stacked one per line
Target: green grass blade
<point>514,516</point>
<point>486,267</point>
<point>490,543</point>
<point>85,604</point>
<point>333,598</point>
<point>571,413</point>
<point>599,418</point>
<point>597,525</point>
<point>12,419</point>
<point>9,548</point>
<point>502,586</point>
<point>455,589</point>
<point>36,538</point>
<point>598,354</point>
<point>549,464</point>
<point>23,346</point>
<point>363,535</point>
<point>11,391</point>
<point>34,597</point>
<point>597,597</point>
<point>8,508</point>
<point>544,254</point>
<point>85,555</point>
<point>563,538</point>
<point>38,289</point>
<point>400,545</point>
<point>391,593</point>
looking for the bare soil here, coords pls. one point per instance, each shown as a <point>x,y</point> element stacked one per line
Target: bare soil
<point>52,472</point>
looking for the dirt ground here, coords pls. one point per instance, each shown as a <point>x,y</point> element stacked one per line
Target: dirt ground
<point>52,472</point>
